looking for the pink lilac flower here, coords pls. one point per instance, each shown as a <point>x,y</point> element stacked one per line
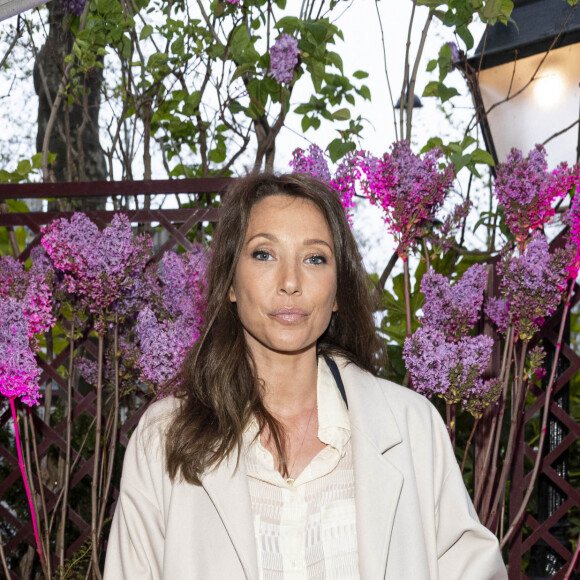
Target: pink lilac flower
<point>409,189</point>
<point>312,163</point>
<point>531,285</point>
<point>19,372</point>
<point>284,58</point>
<point>97,266</point>
<point>527,190</point>
<point>453,309</point>
<point>345,179</point>
<point>573,243</point>
<point>451,370</point>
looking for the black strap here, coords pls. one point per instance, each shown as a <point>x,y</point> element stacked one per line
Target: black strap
<point>334,370</point>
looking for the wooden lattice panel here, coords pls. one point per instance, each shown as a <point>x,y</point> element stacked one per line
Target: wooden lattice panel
<point>542,542</point>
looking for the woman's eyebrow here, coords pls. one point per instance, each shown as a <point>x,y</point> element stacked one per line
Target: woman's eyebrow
<point>262,235</point>
<point>315,242</point>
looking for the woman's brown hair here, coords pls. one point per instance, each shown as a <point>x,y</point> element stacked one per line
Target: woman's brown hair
<point>219,389</point>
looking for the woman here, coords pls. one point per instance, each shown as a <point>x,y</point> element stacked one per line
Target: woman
<point>281,455</point>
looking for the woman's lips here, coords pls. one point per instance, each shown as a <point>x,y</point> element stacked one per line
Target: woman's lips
<point>289,315</point>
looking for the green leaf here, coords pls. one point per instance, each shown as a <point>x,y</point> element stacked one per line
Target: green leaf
<point>334,59</point>
<point>17,206</point>
<point>241,70</point>
<point>445,93</point>
<point>482,156</point>
<point>465,35</point>
<point>306,123</point>
<point>431,65</point>
<point>341,115</point>
<point>444,61</point>
<point>360,74</point>
<point>289,24</point>
<point>24,167</point>
<point>338,149</point>
<point>364,92</point>
<point>146,32</point>
<point>317,30</point>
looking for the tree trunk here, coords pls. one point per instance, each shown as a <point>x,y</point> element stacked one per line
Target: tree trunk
<point>75,137</point>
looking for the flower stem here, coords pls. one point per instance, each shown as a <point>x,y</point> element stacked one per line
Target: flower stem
<point>96,463</point>
<point>468,444</point>
<point>407,294</point>
<point>450,415</point>
<point>573,562</point>
<point>25,479</point>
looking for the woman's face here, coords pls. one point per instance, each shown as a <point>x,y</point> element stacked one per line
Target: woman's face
<point>285,280</point>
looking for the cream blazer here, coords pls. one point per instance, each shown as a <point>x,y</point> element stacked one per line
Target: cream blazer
<point>415,520</point>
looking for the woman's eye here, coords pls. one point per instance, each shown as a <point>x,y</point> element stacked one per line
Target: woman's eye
<point>316,260</point>
<point>261,255</point>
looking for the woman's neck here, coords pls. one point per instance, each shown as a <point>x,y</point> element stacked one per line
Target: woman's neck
<point>289,382</point>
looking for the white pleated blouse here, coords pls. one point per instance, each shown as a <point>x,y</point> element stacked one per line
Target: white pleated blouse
<point>306,530</point>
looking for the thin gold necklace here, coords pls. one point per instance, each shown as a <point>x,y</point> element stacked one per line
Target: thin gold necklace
<point>291,480</point>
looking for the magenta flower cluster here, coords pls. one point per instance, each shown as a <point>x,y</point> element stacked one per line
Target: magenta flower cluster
<point>573,244</point>
<point>284,58</point>
<point>527,190</point>
<point>19,372</point>
<point>97,266</point>
<point>311,163</point>
<point>409,189</point>
<point>441,357</point>
<point>530,288</point>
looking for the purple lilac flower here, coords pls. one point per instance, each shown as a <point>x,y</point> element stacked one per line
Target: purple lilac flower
<point>498,311</point>
<point>527,190</point>
<point>97,266</point>
<point>409,190</point>
<point>32,289</point>
<point>89,369</point>
<point>451,370</point>
<point>183,277</point>
<point>73,6</point>
<point>284,58</point>
<point>312,163</point>
<point>453,309</point>
<point>236,2</point>
<point>163,345</point>
<point>531,284</point>
<point>18,369</point>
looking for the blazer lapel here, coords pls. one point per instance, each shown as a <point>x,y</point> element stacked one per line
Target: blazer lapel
<point>378,482</point>
<point>227,488</point>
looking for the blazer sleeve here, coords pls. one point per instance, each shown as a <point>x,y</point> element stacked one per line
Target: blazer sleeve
<point>136,540</point>
<point>465,547</point>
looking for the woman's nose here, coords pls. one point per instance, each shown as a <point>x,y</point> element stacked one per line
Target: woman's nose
<point>290,282</point>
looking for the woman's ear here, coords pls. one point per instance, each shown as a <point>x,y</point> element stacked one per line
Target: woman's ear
<point>232,294</point>
<point>335,305</point>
